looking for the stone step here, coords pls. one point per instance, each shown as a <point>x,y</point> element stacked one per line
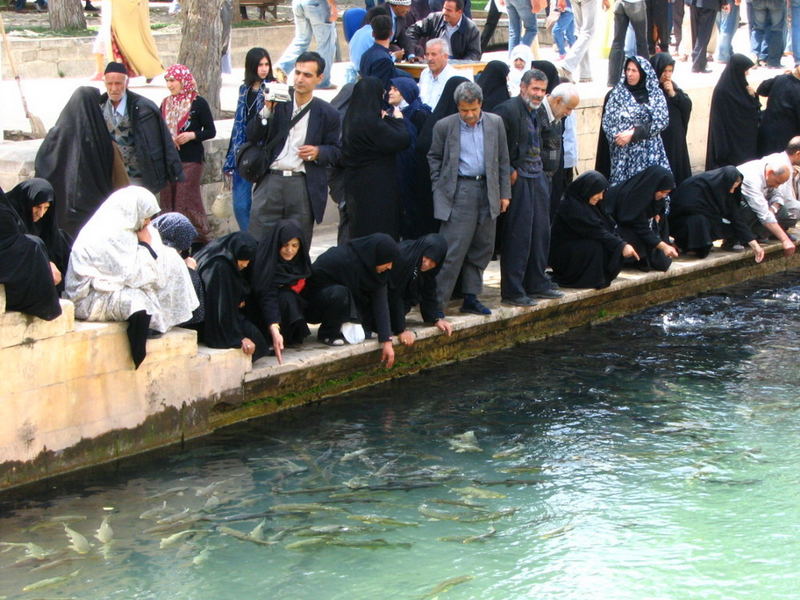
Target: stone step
<point>2,298</point>
<point>91,350</point>
<point>18,328</point>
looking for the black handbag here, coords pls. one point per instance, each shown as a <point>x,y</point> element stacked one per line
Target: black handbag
<point>252,158</point>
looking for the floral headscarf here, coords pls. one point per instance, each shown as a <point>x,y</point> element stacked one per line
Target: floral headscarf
<point>175,109</point>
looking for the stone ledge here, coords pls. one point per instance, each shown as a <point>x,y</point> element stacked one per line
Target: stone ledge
<point>18,328</point>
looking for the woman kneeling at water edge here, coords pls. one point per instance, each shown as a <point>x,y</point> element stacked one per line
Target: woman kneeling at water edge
<point>348,285</point>
<point>221,264</point>
<point>585,249</point>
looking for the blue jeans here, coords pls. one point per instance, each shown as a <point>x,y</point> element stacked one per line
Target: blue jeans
<point>242,192</point>
<point>796,31</point>
<point>728,23</point>
<point>766,35</point>
<point>311,17</point>
<point>519,14</point>
<point>564,31</point>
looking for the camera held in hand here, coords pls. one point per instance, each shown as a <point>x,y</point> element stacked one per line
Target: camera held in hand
<point>275,92</point>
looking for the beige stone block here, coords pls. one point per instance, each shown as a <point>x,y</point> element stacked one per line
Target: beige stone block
<point>2,298</point>
<point>19,328</point>
<point>87,351</point>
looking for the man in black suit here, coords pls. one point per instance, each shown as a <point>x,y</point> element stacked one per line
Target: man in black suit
<point>296,184</point>
<point>454,26</point>
<point>377,61</point>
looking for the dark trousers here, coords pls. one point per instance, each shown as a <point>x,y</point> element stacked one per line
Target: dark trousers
<point>470,239</point>
<point>277,197</point>
<point>526,239</point>
<point>657,26</point>
<point>702,27</point>
<point>677,21</point>
<point>634,13</point>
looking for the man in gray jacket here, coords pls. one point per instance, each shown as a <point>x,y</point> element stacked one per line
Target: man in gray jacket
<point>470,173</point>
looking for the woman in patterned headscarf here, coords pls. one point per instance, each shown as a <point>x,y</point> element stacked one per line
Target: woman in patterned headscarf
<point>189,120</point>
<point>633,118</point>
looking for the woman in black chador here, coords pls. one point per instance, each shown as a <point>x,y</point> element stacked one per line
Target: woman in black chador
<point>705,208</point>
<point>370,141</point>
<point>679,106</point>
<point>639,208</point>
<point>348,284</point>
<point>585,249</point>
<point>278,275</point>
<point>734,117</point>
<point>33,202</point>
<point>220,264</point>
<point>413,281</point>
<point>25,269</point>
<point>77,158</point>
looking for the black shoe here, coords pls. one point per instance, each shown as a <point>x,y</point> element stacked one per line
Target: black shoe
<point>520,301</point>
<point>701,71</point>
<point>90,7</point>
<point>473,306</point>
<point>547,294</point>
<point>332,341</point>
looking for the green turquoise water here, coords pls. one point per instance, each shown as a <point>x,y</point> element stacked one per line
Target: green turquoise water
<point>655,457</point>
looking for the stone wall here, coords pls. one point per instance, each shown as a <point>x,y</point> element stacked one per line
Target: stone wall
<point>70,391</point>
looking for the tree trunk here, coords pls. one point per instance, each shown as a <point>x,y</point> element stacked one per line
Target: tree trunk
<point>66,14</point>
<point>237,14</point>
<point>201,48</point>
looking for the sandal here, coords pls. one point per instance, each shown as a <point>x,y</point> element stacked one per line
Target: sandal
<point>334,341</point>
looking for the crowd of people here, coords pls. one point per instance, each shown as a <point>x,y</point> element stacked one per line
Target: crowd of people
<point>432,180</point>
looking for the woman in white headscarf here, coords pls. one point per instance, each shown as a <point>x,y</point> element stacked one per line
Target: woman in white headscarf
<point>120,270</point>
<point>519,61</point>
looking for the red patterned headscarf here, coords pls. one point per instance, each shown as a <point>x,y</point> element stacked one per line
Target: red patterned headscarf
<point>175,109</point>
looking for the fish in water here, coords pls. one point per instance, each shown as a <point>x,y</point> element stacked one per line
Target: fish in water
<point>352,455</point>
<point>379,520</point>
<point>32,550</point>
<point>55,563</point>
<point>371,544</point>
<point>246,537</point>
<point>465,442</point>
<point>68,518</point>
<point>316,530</point>
<point>177,537</point>
<point>78,543</point>
<point>470,505</point>
<point>212,503</point>
<point>258,531</point>
<point>154,512</point>
<point>104,533</point>
<point>308,542</point>
<point>43,583</point>
<point>201,557</point>
<point>308,507</point>
<point>446,585</point>
<point>209,489</point>
<point>173,490</point>
<point>557,532</point>
<point>475,492</point>
<point>175,517</point>
<point>510,452</point>
<point>522,469</point>
<point>468,539</point>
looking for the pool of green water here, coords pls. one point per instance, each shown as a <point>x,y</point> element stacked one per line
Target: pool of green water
<point>655,457</point>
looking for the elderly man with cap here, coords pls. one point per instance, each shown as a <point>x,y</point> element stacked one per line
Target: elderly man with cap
<point>136,125</point>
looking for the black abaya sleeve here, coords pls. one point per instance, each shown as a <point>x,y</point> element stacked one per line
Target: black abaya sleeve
<point>684,104</point>
<point>391,135</point>
<point>587,224</point>
<point>428,304</point>
<point>641,226</point>
<point>739,223</point>
<point>397,310</point>
<point>380,312</point>
<point>221,328</point>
